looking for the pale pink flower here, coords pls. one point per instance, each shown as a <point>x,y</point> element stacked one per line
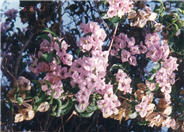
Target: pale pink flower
<point>133,61</point>
<point>94,40</point>
<point>167,97</point>
<point>64,73</point>
<point>168,110</point>
<point>142,48</point>
<point>171,64</point>
<point>64,45</point>
<point>83,98</point>
<point>142,108</point>
<point>152,39</point>
<point>119,7</point>
<point>42,67</point>
<point>85,43</point>
<point>45,46</point>
<point>123,82</point>
<point>131,42</point>
<point>166,88</point>
<point>111,12</point>
<point>109,103</point>
<point>125,55</point>
<point>165,50</point>
<point>135,50</point>
<point>44,87</point>
<point>67,59</point>
<point>150,85</point>
<point>154,53</point>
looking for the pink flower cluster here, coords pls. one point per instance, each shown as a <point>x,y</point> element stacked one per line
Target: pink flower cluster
<point>47,47</point>
<point>127,48</point>
<point>109,103</point>
<point>145,105</point>
<point>93,41</point>
<point>119,7</point>
<point>165,76</point>
<point>55,72</point>
<point>123,82</point>
<point>154,48</point>
<point>88,73</point>
<point>157,50</point>
<point>56,87</point>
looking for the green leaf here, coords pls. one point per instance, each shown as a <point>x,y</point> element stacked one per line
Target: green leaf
<point>48,57</point>
<point>49,31</point>
<point>53,114</point>
<point>57,59</point>
<point>92,107</point>
<point>19,100</point>
<point>52,97</point>
<point>78,109</point>
<point>115,19</point>
<point>157,88</point>
<point>59,43</point>
<point>45,36</point>
<point>53,110</point>
<point>78,52</point>
<point>116,67</point>
<point>58,111</point>
<point>87,114</point>
<point>36,99</point>
<point>67,107</point>
<point>176,27</point>
<point>69,102</point>
<point>143,122</point>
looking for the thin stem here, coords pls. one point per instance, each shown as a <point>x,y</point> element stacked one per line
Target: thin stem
<point>115,30</point>
<point>8,72</point>
<point>69,117</point>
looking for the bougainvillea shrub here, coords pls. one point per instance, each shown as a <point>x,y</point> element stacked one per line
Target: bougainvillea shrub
<point>123,76</point>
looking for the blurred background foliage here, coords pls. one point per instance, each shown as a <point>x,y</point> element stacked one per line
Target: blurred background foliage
<point>64,18</point>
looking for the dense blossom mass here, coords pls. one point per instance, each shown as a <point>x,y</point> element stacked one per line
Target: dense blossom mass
<point>88,73</point>
<point>103,77</point>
